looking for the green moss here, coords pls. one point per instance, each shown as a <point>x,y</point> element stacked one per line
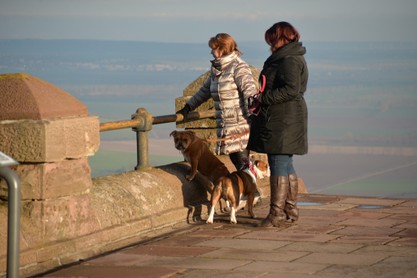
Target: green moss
<point>13,76</point>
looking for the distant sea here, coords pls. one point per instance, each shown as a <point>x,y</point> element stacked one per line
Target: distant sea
<point>362,100</point>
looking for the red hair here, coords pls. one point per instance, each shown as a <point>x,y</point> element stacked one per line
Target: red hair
<point>280,34</point>
<point>224,42</point>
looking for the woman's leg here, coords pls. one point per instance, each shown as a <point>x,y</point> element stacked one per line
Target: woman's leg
<point>279,184</point>
<point>239,159</point>
<point>291,203</point>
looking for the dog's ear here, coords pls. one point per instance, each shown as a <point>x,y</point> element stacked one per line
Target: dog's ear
<point>173,133</point>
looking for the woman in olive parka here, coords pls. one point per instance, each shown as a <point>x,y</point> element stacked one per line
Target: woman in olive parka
<point>280,128</point>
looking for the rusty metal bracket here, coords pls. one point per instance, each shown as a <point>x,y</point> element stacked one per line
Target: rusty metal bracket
<point>142,138</point>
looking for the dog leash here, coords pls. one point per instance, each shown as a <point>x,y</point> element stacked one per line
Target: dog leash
<point>227,138</point>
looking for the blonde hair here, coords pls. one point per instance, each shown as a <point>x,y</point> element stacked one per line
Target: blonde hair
<point>225,43</point>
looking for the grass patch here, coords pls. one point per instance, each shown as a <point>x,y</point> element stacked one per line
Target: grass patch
<point>106,162</point>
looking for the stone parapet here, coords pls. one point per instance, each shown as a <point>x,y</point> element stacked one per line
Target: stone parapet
<point>38,141</point>
<point>52,180</point>
<point>23,96</point>
<point>51,135</point>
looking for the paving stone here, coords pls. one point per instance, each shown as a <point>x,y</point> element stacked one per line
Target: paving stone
<point>407,233</point>
<point>306,211</point>
<point>322,247</point>
<point>217,231</point>
<point>409,218</point>
<point>389,268</point>
<point>205,273</point>
<point>314,228</point>
<point>366,222</point>
<point>290,267</point>
<point>367,231</point>
<point>371,201</point>
<point>364,214</point>
<point>339,258</point>
<point>319,220</point>
<point>400,210</point>
<point>298,275</point>
<point>371,240</point>
<point>242,244</point>
<point>120,259</point>
<point>404,242</point>
<point>333,207</point>
<point>290,236</point>
<point>388,249</point>
<point>199,263</point>
<point>111,272</point>
<point>181,240</point>
<point>256,255</point>
<point>170,251</point>
<point>409,203</point>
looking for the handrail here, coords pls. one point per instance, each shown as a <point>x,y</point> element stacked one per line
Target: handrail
<point>142,122</point>
<point>13,222</point>
<point>192,116</point>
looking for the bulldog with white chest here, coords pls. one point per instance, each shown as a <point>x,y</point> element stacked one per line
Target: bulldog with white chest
<point>197,153</point>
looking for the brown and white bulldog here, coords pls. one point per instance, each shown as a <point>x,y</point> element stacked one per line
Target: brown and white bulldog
<point>196,151</point>
<point>232,188</point>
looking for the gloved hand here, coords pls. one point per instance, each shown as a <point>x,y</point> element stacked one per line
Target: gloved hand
<point>185,110</point>
<point>254,104</point>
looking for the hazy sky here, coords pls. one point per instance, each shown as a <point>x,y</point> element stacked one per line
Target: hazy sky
<point>196,20</point>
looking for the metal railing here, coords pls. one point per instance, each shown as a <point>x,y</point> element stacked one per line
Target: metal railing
<point>13,221</point>
<point>142,123</point>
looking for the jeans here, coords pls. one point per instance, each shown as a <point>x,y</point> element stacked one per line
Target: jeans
<point>281,164</point>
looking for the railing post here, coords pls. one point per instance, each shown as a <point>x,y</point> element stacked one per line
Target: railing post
<point>13,218</point>
<point>142,142</point>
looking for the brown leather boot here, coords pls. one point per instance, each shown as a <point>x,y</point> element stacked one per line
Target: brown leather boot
<point>291,203</point>
<point>279,191</point>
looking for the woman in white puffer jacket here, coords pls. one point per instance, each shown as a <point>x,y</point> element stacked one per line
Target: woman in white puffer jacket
<point>230,85</point>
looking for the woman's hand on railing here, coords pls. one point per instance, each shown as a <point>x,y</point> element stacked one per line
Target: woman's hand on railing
<point>184,111</point>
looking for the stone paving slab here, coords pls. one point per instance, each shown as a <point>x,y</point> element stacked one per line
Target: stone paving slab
<point>335,236</point>
<point>291,236</point>
<point>339,258</point>
<point>115,271</point>
<point>242,244</point>
<point>255,255</point>
<point>289,267</point>
<point>328,248</point>
<point>169,251</point>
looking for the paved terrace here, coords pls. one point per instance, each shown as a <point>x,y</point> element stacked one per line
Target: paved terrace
<point>336,236</point>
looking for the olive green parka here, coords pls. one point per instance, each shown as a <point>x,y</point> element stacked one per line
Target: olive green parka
<point>281,126</point>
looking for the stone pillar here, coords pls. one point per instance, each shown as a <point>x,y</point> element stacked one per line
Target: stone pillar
<point>50,133</point>
<point>205,128</point>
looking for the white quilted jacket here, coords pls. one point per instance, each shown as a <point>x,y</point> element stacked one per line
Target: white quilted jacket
<point>230,85</point>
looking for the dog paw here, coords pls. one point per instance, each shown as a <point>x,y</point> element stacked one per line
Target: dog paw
<point>209,221</point>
